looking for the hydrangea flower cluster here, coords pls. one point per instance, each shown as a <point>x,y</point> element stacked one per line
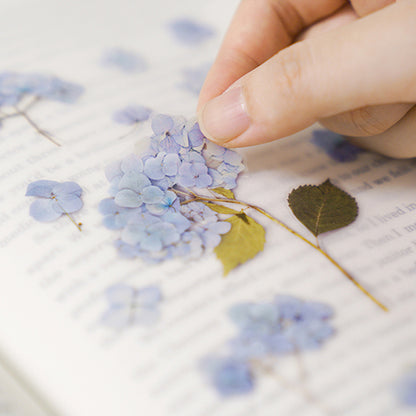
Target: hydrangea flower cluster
<point>266,330</point>
<point>129,306</point>
<point>15,86</point>
<point>148,193</point>
<point>55,199</point>
<point>335,146</point>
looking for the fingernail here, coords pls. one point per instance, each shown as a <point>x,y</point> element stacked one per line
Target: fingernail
<point>224,117</point>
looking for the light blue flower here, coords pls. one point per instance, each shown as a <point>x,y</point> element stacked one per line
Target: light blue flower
<point>132,114</point>
<point>335,146</point>
<point>124,60</point>
<point>115,217</point>
<point>190,32</point>
<point>169,201</point>
<point>406,388</point>
<point>194,175</point>
<point>55,200</point>
<point>153,237</point>
<point>230,376</point>
<point>131,306</point>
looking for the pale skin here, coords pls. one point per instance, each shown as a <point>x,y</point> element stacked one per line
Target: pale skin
<point>286,64</point>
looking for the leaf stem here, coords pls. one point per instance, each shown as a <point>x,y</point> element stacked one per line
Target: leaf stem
<point>77,224</point>
<point>35,126</point>
<point>272,218</point>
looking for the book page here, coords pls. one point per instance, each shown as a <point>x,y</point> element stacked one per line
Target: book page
<point>15,400</point>
<point>54,278</point>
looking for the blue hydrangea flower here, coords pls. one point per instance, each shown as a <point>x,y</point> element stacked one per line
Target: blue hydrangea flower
<point>229,376</point>
<point>130,306</point>
<point>190,32</point>
<point>124,60</point>
<point>283,326</point>
<point>406,389</point>
<point>14,86</point>
<point>179,159</point>
<point>335,146</point>
<point>132,114</point>
<point>55,199</point>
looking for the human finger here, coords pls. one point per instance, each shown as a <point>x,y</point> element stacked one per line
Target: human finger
<point>320,77</point>
<point>259,29</point>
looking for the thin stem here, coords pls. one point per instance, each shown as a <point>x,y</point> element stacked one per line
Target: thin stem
<point>299,387</point>
<point>36,127</point>
<point>315,246</point>
<point>77,224</point>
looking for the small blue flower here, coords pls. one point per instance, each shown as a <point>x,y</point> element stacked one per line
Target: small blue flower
<point>124,60</point>
<point>115,217</point>
<point>335,146</point>
<point>406,389</point>
<point>194,174</point>
<point>132,114</point>
<point>190,32</point>
<point>55,200</point>
<point>169,201</point>
<point>229,376</point>
<point>130,306</point>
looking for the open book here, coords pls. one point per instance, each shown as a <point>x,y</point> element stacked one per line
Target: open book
<point>58,354</point>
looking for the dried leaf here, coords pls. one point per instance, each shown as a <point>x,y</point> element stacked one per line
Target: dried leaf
<point>221,209</point>
<point>228,193</point>
<point>243,242</point>
<point>322,208</point>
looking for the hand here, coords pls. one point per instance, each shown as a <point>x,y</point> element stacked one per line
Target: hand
<point>285,64</point>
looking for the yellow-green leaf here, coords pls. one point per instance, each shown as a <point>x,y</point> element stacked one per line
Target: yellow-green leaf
<point>243,242</point>
<point>221,209</point>
<point>228,193</point>
<point>323,208</point>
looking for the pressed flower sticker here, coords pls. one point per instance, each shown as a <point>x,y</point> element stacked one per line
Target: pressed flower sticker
<point>55,199</point>
<point>128,306</point>
<point>266,333</point>
<point>19,93</point>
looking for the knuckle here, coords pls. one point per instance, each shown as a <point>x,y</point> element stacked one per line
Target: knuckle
<point>292,64</point>
<point>365,122</point>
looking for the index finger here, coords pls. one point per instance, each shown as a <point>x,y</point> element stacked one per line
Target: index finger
<point>259,29</point>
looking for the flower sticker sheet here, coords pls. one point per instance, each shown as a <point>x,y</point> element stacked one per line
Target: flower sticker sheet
<point>136,275</point>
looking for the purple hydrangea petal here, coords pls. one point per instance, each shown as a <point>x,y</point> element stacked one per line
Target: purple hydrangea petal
<point>153,168</point>
<point>149,297</point>
<point>132,114</point>
<point>117,318</point>
<point>41,188</point>
<point>44,210</point>
<point>131,163</point>
<point>120,294</point>
<point>134,181</point>
<point>124,60</point>
<point>190,32</point>
<point>128,198</point>
<point>70,203</point>
<point>161,123</point>
<point>108,206</point>
<point>171,163</point>
<point>152,194</point>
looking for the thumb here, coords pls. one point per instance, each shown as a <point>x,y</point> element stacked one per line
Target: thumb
<point>368,62</point>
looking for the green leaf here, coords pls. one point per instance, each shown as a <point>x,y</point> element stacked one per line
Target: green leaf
<point>243,242</point>
<point>221,208</point>
<point>228,193</point>
<point>322,208</point>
